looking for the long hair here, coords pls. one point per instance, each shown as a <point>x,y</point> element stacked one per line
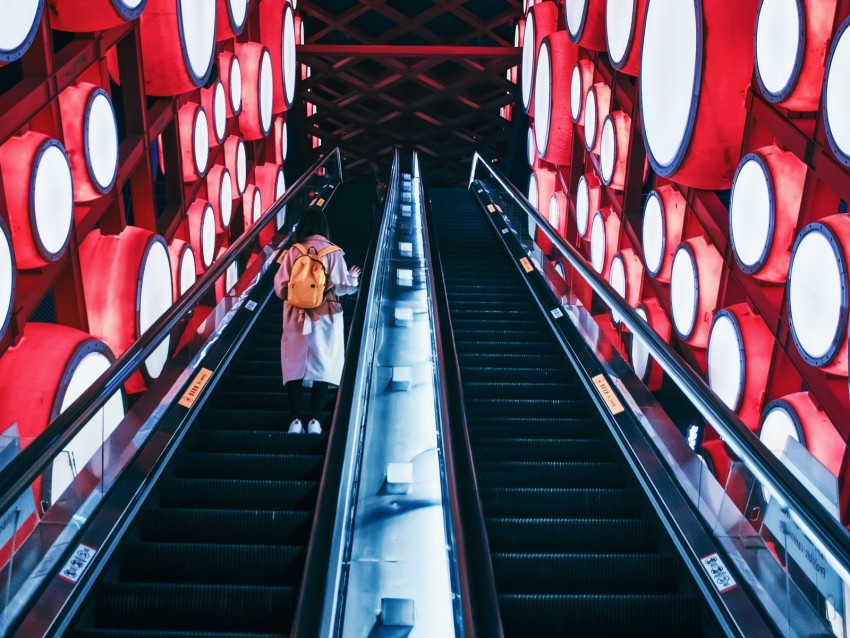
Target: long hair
<point>312,222</point>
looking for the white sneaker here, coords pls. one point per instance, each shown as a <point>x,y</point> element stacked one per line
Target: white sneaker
<point>295,427</point>
<point>314,427</point>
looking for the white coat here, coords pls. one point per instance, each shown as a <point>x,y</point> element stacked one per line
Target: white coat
<point>312,343</point>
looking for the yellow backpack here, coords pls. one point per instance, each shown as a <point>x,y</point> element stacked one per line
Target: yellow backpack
<point>308,278</point>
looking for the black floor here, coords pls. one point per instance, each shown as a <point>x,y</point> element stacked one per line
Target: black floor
<point>575,551</point>
<point>219,551</point>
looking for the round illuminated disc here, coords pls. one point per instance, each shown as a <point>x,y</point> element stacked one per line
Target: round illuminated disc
<point>619,29</point>
<point>837,94</point>
<point>531,146</point>
<point>219,111</point>
<point>101,141</point>
<point>653,234</point>
<point>208,236</point>
<point>527,62</point>
<point>52,199</point>
<point>669,80</point>
<point>18,26</point>
<point>779,423</point>
<point>598,249</point>
<point>266,92</point>
<point>241,168</point>
<point>559,268</point>
<point>779,46</point>
<point>608,150</point>
<point>187,269</point>
<point>197,32</point>
<point>817,294</point>
<point>751,211</point>
<point>235,85</point>
<point>237,10</point>
<point>617,279</point>
<point>283,141</point>
<point>290,66</point>
<point>533,194</point>
<point>7,278</point>
<point>575,93</point>
<point>226,198</point>
<point>155,291</point>
<point>542,97</point>
<point>279,184</point>
<point>684,291</point>
<point>256,206</point>
<point>726,365</point>
<point>554,212</point>
<point>201,141</point>
<point>590,120</point>
<point>576,11</point>
<point>231,276</point>
<point>582,206</point>
<point>639,351</point>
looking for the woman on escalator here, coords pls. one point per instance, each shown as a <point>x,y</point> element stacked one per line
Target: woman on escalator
<point>311,347</point>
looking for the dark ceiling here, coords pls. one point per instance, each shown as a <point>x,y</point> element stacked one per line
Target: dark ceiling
<point>426,75</point>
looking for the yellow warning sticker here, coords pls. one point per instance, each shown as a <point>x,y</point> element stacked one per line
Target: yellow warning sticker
<point>491,208</point>
<point>194,390</point>
<point>526,265</point>
<point>320,201</point>
<point>607,394</point>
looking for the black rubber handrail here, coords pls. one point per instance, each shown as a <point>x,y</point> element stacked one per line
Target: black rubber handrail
<point>311,595</point>
<point>25,468</point>
<point>821,527</point>
<point>479,599</point>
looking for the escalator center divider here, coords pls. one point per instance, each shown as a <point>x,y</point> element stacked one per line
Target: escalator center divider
<point>219,543</point>
<point>573,541</point>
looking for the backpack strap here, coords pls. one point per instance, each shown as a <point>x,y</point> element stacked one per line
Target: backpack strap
<point>300,248</point>
<point>327,250</point>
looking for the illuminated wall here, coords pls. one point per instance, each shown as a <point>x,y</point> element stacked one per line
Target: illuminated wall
<point>697,154</point>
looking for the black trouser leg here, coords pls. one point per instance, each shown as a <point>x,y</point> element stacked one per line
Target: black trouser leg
<point>319,398</point>
<point>294,391</point>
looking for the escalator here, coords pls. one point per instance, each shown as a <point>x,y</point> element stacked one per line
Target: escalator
<point>574,546</point>
<point>219,549</point>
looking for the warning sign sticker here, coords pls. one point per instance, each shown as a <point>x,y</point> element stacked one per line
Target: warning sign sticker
<point>607,394</point>
<point>194,390</point>
<point>716,570</point>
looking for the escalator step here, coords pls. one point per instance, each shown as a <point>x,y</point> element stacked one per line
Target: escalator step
<point>546,502</point>
<point>557,427</point>
<point>550,474</point>
<point>479,406</point>
<point>504,348</point>
<point>270,400</point>
<point>257,442</point>
<point>240,418</point>
<point>239,494</point>
<point>213,564</point>
<point>512,373</point>
<point>155,633</point>
<point>547,390</point>
<point>659,616</point>
<point>557,535</point>
<point>250,466</point>
<point>203,607</point>
<point>585,573</point>
<point>265,527</point>
<point>564,450</point>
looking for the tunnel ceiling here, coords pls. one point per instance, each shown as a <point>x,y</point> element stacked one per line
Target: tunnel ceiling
<point>428,75</point>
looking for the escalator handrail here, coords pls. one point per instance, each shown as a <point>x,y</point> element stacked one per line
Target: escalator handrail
<point>824,530</point>
<point>310,604</point>
<point>479,598</point>
<point>25,468</point>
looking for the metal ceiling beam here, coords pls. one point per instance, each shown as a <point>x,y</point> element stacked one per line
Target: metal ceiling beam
<point>428,51</point>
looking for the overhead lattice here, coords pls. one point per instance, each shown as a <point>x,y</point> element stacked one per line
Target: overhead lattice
<point>427,75</point>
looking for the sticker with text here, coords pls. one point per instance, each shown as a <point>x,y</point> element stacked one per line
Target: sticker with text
<point>607,394</point>
<point>557,313</point>
<point>193,392</point>
<point>526,264</point>
<point>77,564</point>
<point>718,573</point>
<point>491,208</point>
<point>505,231</point>
<point>251,305</point>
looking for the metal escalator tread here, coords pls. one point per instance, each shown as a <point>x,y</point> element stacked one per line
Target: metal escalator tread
<point>219,549</point>
<point>575,551</point>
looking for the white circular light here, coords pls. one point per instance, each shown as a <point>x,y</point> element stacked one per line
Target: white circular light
<point>576,10</point>
<point>231,276</point>
<point>575,93</point>
<point>256,207</point>
<point>598,249</point>
<point>619,29</point>
<point>85,373</point>
<point>779,424</point>
<point>817,294</point>
<point>590,120</point>
<point>290,66</point>
<point>279,185</point>
<point>779,33</point>
<point>582,206</point>
<point>219,111</point>
<point>554,212</point>
<point>533,193</point>
<point>237,11</point>
<point>241,168</point>
<point>531,146</point>
<point>283,141</point>
<point>639,351</point>
<point>207,236</point>
<point>668,79</point>
<point>53,198</point>
<point>836,97</point>
<point>7,278</point>
<point>266,92</point>
<point>155,297</point>
<point>726,360</point>
<point>20,18</point>
<point>751,213</point>
<point>528,62</point>
<point>652,238</point>
<point>226,198</point>
<point>608,150</point>
<point>201,141</point>
<point>101,141</point>
<point>187,269</point>
<point>235,85</point>
<point>684,291</point>
<point>197,30</point>
<point>542,97</point>
<point>617,279</point>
